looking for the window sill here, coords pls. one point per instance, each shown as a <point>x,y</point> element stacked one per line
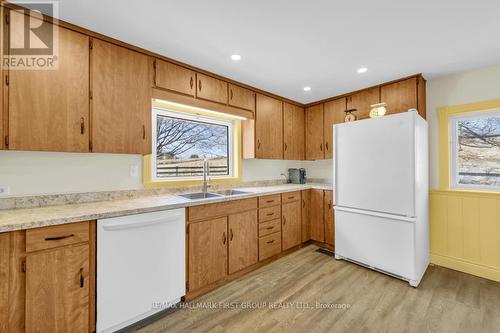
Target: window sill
<point>473,192</point>
<point>190,182</point>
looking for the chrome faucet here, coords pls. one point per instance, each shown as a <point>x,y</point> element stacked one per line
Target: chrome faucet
<point>206,173</point>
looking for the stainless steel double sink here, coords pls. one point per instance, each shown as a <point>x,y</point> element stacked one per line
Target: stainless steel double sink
<point>215,194</point>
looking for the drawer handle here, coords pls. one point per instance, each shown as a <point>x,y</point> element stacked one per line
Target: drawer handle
<point>82,279</point>
<point>293,197</point>
<point>270,242</point>
<point>270,214</point>
<point>269,201</point>
<point>58,237</point>
<point>269,228</point>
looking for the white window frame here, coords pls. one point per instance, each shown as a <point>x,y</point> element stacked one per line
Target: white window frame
<point>194,117</point>
<point>453,135</point>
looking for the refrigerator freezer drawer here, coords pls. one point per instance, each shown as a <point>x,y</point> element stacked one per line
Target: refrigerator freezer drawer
<point>380,242</point>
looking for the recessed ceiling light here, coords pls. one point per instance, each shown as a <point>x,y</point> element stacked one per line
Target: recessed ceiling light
<point>236,57</point>
<point>362,70</point>
<point>307,88</point>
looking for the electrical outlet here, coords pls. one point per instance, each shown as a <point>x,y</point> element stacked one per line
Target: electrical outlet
<point>134,170</point>
<point>4,190</point>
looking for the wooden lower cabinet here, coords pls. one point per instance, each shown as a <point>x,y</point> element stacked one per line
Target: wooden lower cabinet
<point>291,224</point>
<point>57,290</point>
<point>328,218</point>
<point>50,289</point>
<point>306,222</point>
<point>243,240</point>
<point>316,216</point>
<point>207,250</point>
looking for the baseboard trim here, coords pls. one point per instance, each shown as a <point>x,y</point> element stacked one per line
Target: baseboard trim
<point>487,272</point>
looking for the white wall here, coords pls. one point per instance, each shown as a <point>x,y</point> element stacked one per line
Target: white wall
<point>47,173</point>
<point>28,173</point>
<point>466,87</point>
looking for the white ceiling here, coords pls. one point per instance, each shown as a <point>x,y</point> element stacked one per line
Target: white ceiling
<point>288,44</point>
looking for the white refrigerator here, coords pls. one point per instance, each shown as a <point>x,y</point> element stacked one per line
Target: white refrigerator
<point>381,194</point>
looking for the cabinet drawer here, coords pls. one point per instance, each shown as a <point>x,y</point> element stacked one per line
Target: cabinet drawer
<point>269,227</point>
<point>221,209</point>
<point>269,245</point>
<point>269,213</point>
<point>290,196</point>
<point>270,200</point>
<point>61,235</point>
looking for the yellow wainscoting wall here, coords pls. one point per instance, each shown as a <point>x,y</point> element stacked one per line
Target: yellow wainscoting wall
<point>465,231</point>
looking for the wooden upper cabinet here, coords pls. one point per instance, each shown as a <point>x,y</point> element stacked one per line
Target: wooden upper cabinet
<point>243,240</point>
<point>49,109</point>
<point>211,89</point>
<point>291,224</point>
<point>207,250</point>
<point>241,98</point>
<point>400,96</point>
<point>121,105</point>
<point>57,290</point>
<point>362,100</point>
<point>269,128</point>
<point>314,133</point>
<point>333,114</point>
<point>293,132</point>
<point>317,216</point>
<point>328,218</point>
<point>176,78</point>
<point>421,96</point>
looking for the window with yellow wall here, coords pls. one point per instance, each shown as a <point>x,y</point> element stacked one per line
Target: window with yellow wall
<point>183,137</point>
<point>470,146</point>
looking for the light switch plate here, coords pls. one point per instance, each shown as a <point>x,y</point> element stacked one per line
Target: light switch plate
<point>4,190</point>
<point>134,170</point>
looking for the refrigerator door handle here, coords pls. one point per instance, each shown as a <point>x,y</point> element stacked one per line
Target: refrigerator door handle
<point>378,214</point>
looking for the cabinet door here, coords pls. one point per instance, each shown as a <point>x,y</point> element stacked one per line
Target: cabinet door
<point>333,114</point>
<point>243,240</point>
<point>291,224</point>
<point>400,96</point>
<point>314,133</point>
<point>57,290</point>
<point>293,132</point>
<point>316,216</point>
<point>207,255</point>
<point>269,128</point>
<point>121,105</point>
<point>49,109</point>
<point>176,78</point>
<point>362,100</point>
<point>241,98</point>
<point>211,89</point>
<point>306,222</point>
<point>328,218</point>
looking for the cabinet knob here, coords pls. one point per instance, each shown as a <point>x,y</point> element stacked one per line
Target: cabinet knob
<point>191,82</point>
<point>231,93</point>
<point>82,125</point>
<point>231,234</point>
<point>258,144</point>
<point>82,279</point>
<point>326,146</point>
<point>143,132</point>
<point>321,146</point>
<point>224,237</point>
<point>284,220</point>
<point>286,147</point>
<point>303,203</point>
<point>199,85</point>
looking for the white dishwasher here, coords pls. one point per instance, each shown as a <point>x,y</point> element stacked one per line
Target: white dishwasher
<point>140,266</point>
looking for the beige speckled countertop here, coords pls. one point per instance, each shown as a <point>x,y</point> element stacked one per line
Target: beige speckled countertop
<point>19,219</point>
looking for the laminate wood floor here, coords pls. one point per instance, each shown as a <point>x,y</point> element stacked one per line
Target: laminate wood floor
<point>366,301</point>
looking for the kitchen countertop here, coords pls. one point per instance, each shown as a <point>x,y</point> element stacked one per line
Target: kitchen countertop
<point>28,218</point>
